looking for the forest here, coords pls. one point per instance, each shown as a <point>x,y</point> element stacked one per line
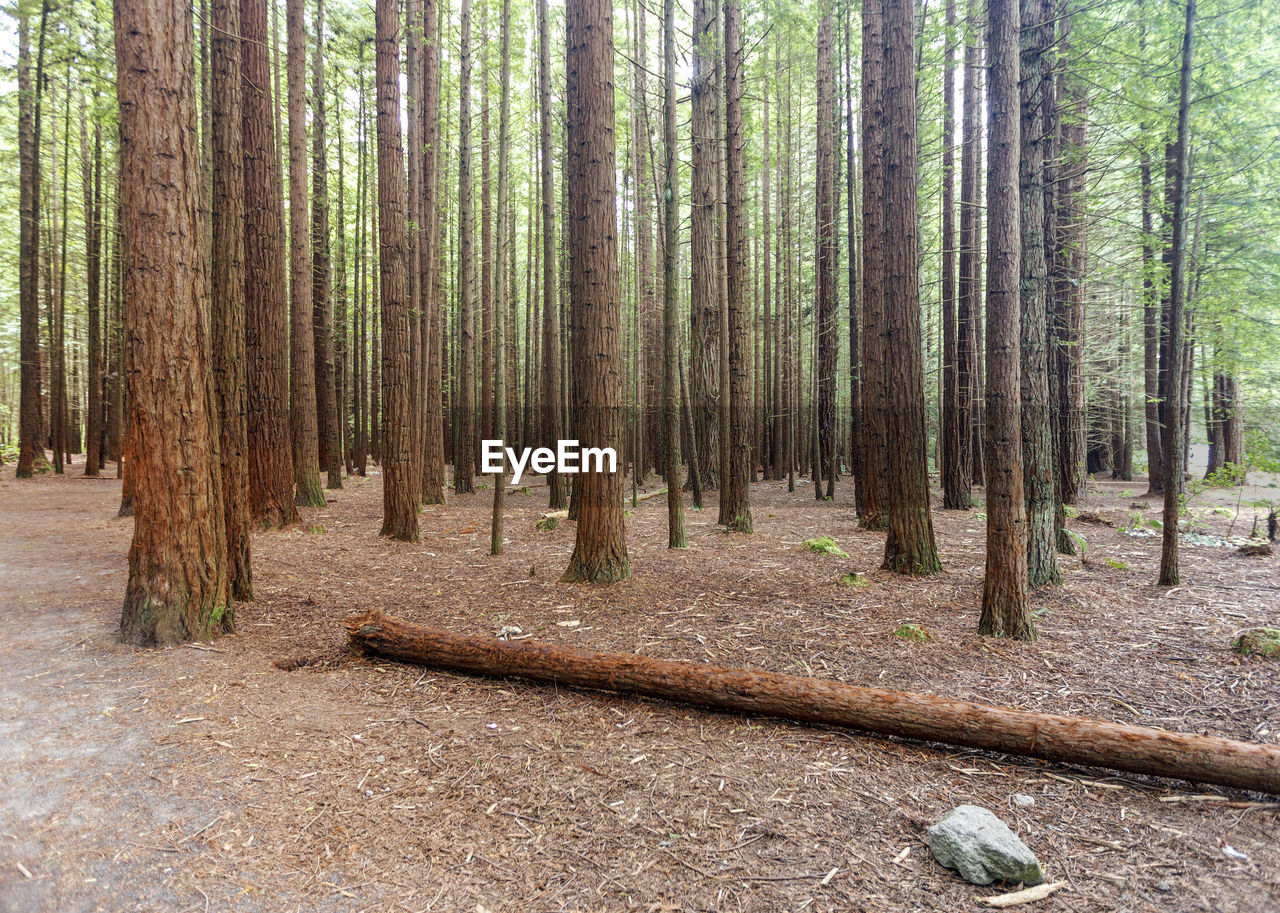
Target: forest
<point>630,454</point>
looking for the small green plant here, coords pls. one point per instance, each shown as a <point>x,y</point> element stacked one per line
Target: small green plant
<point>980,515</point>
<point>912,631</point>
<point>315,529</point>
<point>547,524</point>
<point>524,490</point>
<point>854,580</point>
<point>1080,542</point>
<point>824,545</point>
<point>1070,511</point>
<point>1259,642</point>
<point>1117,564</point>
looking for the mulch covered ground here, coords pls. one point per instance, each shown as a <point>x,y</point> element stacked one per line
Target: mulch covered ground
<point>210,778</point>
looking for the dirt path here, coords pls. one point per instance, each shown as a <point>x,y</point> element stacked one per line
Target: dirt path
<point>194,779</point>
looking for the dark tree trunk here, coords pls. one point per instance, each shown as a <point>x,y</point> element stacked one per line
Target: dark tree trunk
<point>963,467</point>
<point>670,306</point>
<point>954,477</point>
<point>327,421</point>
<point>177,587</point>
<point>431,269</point>
<point>600,551</point>
<point>465,451</point>
<point>227,286</point>
<point>826,242</point>
<point>553,414</point>
<point>30,446</point>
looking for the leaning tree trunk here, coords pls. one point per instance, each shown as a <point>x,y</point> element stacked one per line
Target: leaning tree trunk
<point>1071,740</point>
<point>177,587</point>
<point>600,549</point>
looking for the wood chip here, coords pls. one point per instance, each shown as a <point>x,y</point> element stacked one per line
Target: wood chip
<point>1027,895</point>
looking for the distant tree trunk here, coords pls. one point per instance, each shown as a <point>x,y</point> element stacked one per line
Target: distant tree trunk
<point>327,412</point>
<point>342,314</point>
<point>91,175</point>
<point>735,491</point>
<point>954,476</point>
<point>704,316</point>
<point>553,415</point>
<point>600,551</point>
<point>302,367</point>
<point>826,242</point>
<point>1037,428</point>
<point>399,491</point>
<point>970,262</point>
<point>464,453</point>
<point>177,587</point>
<point>1174,456</point>
<point>227,284</point>
<point>1151,318</point>
<point>433,471</point>
<point>670,306</point>
<point>910,547</point>
<point>266,338</point>
<point>501,280</point>
<point>873,506</point>
<point>30,447</point>
<point>1006,609</point>
<point>485,318</point>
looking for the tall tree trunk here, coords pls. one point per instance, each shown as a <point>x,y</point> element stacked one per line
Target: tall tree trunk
<point>553,414</point>
<point>970,263</point>
<point>177,587</point>
<point>227,285</point>
<point>910,547</point>
<point>326,393</point>
<point>30,446</point>
<point>1039,474</point>
<point>1006,609</point>
<point>704,317</point>
<point>735,491</point>
<point>266,337</point>
<point>501,280</point>
<point>433,471</point>
<point>464,453</point>
<point>399,488</point>
<point>1174,455</point>
<point>600,551</point>
<point>91,175</point>
<point>826,243</point>
<point>670,306</point>
<point>873,507</point>
<point>302,367</point>
<point>954,476</point>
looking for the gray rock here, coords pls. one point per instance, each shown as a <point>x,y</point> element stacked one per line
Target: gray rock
<point>979,846</point>
<point>1023,800</point>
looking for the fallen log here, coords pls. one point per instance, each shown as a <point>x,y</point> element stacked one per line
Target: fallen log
<point>1071,740</point>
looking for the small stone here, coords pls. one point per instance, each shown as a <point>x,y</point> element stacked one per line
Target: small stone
<point>1023,800</point>
<point>974,842</point>
<point>1163,887</point>
<point>368,794</point>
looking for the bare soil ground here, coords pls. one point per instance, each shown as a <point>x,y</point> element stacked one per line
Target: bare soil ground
<point>207,778</point>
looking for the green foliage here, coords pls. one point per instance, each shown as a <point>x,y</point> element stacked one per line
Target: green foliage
<point>912,631</point>
<point>315,529</point>
<point>1259,642</point>
<point>853,580</point>
<point>547,524</point>
<point>824,545</point>
<point>1117,564</point>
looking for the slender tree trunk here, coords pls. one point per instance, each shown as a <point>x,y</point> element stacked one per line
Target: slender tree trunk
<point>1174,455</point>
<point>704,316</point>
<point>553,415</point>
<point>399,488</point>
<point>30,447</point>
<point>826,243</point>
<point>955,481</point>
<point>91,175</point>
<point>600,551</point>
<point>464,453</point>
<point>501,280</point>
<point>433,471</point>
<point>963,466</point>
<point>326,394</point>
<point>271,480</point>
<point>670,307</point>
<point>177,587</point>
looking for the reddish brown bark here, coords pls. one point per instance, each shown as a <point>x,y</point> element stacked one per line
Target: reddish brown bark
<point>1071,740</point>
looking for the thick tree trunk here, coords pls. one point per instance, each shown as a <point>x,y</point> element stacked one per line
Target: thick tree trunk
<point>399,488</point>
<point>1006,611</point>
<point>177,587</point>
<point>1070,740</point>
<point>600,550</point>
<point>909,547</point>
<point>228,290</point>
<point>30,446</point>
<point>266,336</point>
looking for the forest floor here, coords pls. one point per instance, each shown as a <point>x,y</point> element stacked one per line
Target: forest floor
<point>205,778</point>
